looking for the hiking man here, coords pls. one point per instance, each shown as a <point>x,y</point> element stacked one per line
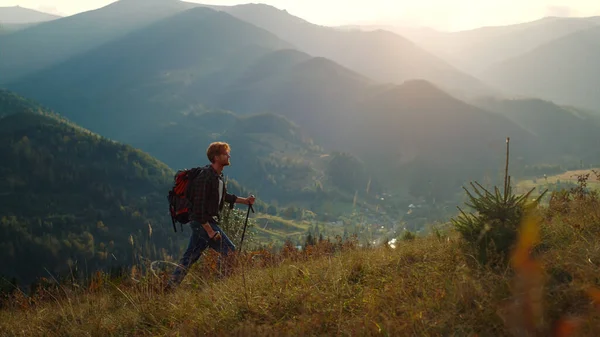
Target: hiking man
<point>208,194</point>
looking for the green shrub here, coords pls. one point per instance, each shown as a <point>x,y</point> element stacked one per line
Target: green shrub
<point>492,229</point>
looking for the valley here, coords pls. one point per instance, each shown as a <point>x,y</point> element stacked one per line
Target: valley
<point>363,131</point>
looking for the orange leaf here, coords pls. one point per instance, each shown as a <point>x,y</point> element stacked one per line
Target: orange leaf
<point>594,293</point>
<point>566,327</point>
<point>528,237</point>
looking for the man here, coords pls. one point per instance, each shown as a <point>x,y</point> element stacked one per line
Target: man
<point>208,194</point>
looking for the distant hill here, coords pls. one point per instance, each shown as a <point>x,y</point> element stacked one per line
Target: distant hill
<point>562,129</point>
<point>271,156</point>
<point>380,55</point>
<point>50,43</point>
<point>477,49</point>
<point>314,92</point>
<point>139,80</point>
<point>157,99</point>
<point>20,15</point>
<point>11,103</point>
<point>420,139</point>
<point>70,199</point>
<point>564,71</point>
<point>131,99</point>
<point>7,28</point>
<point>147,94</point>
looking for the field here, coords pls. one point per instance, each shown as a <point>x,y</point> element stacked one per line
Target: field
<point>425,286</point>
<point>565,179</point>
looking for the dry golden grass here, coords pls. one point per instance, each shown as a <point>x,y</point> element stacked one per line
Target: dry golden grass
<point>566,177</point>
<point>425,287</point>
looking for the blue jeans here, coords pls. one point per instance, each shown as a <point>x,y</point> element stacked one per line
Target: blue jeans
<point>199,241</point>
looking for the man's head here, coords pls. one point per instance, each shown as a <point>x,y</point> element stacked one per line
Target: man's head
<point>218,153</point>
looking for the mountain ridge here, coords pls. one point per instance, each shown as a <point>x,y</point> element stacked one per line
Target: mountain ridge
<point>23,15</point>
<point>474,50</point>
<point>374,54</point>
<point>568,58</point>
<point>50,43</point>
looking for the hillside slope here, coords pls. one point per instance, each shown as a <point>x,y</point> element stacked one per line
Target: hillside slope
<point>70,199</point>
<point>381,55</point>
<point>139,79</point>
<point>562,129</point>
<point>50,43</point>
<point>477,49</point>
<point>564,71</point>
<point>422,286</point>
<point>20,15</point>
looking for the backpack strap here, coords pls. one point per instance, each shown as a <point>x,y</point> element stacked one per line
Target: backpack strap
<point>192,174</point>
<point>171,210</point>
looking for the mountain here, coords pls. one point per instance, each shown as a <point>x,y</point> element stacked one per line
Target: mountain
<point>271,156</point>
<point>150,94</point>
<point>50,43</point>
<point>563,71</point>
<point>150,88</point>
<point>380,55</point>
<point>70,199</point>
<point>314,92</point>
<point>20,15</point>
<point>11,103</point>
<point>139,80</point>
<point>567,130</point>
<point>160,94</point>
<point>420,138</point>
<point>7,28</point>
<point>477,49</point>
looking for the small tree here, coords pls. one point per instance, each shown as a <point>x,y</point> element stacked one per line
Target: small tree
<point>310,240</point>
<point>232,223</point>
<point>492,230</point>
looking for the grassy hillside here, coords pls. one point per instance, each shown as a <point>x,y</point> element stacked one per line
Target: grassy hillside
<point>565,180</point>
<point>88,196</point>
<point>426,286</point>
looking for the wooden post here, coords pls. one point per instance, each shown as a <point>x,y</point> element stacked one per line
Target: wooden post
<point>506,170</point>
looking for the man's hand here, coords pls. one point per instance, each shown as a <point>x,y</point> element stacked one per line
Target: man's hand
<point>211,233</point>
<point>246,201</point>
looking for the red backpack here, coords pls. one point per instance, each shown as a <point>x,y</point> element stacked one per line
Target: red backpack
<point>179,204</point>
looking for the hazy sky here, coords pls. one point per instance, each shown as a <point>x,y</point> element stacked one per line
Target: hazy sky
<point>440,14</point>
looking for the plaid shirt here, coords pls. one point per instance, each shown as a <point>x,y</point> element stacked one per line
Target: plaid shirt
<point>204,192</point>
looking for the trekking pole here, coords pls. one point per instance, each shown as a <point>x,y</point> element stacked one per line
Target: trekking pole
<point>250,208</point>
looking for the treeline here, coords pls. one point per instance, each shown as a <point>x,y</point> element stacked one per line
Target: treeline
<point>72,202</point>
